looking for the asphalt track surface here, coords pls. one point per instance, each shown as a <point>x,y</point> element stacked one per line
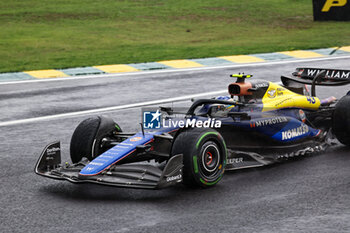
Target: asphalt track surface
<point>304,195</point>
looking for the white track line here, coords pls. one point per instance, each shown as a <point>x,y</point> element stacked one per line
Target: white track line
<point>108,109</point>
<point>174,70</point>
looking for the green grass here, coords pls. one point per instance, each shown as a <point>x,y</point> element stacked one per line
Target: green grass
<point>65,33</point>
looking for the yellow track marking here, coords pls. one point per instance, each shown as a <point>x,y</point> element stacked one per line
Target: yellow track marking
<point>181,63</point>
<point>301,54</point>
<point>46,73</point>
<point>116,68</point>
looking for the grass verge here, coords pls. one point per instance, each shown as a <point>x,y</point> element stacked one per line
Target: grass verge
<point>65,33</point>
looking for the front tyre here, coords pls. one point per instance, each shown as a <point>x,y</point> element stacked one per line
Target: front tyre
<point>204,156</point>
<point>88,137</point>
<point>341,120</point>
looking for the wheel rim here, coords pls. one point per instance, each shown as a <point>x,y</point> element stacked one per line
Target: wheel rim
<point>210,158</point>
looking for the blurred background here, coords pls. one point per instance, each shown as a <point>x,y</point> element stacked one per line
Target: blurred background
<point>68,33</point>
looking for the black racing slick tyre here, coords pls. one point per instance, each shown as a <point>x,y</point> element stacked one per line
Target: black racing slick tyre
<point>88,137</point>
<point>204,156</point>
<point>341,120</point>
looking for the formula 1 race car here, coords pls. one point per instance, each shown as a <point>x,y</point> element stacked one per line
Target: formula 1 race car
<point>258,123</point>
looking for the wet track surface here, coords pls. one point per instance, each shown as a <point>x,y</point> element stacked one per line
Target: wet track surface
<point>311,194</point>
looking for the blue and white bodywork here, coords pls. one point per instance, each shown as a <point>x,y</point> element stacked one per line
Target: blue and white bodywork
<point>257,124</point>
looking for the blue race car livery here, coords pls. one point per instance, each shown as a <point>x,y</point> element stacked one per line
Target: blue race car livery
<point>258,123</point>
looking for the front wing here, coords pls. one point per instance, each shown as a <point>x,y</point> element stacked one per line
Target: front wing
<point>134,175</point>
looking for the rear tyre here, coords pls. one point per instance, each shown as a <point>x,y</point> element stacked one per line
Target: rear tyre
<point>341,120</point>
<point>204,156</point>
<point>87,139</point>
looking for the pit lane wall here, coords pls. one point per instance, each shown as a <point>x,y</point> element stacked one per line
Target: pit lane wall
<point>175,64</point>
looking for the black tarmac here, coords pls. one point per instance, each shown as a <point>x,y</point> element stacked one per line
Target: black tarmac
<point>303,195</point>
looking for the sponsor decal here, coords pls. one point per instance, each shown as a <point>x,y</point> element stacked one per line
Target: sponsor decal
<point>128,144</point>
<point>95,163</point>
<point>340,74</point>
<point>120,146</point>
<point>331,10</point>
<point>333,3</point>
<point>234,160</point>
<point>135,139</point>
<point>52,150</point>
<point>261,85</point>
<point>280,91</point>
<point>271,93</point>
<point>102,160</point>
<point>302,115</point>
<point>283,101</point>
<point>269,121</point>
<point>172,178</point>
<point>296,132</point>
<point>330,73</point>
<point>106,156</point>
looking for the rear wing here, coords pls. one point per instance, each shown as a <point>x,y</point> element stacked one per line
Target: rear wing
<point>317,76</point>
<point>330,74</point>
